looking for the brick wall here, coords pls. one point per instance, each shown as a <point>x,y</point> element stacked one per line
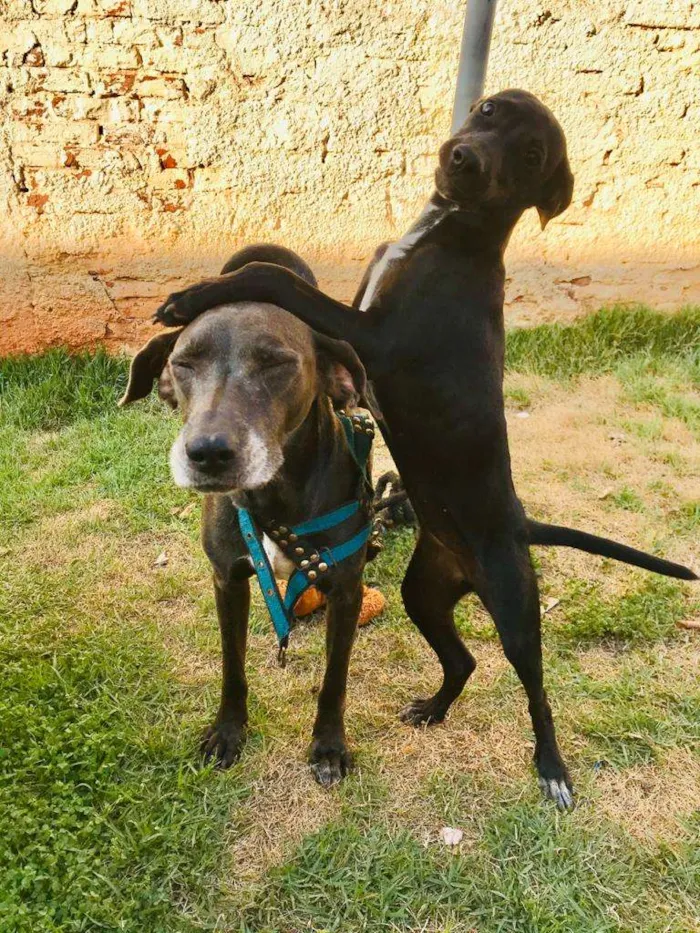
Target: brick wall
<point>143,140</point>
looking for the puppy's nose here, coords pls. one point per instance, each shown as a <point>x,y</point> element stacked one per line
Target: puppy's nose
<point>210,451</point>
<point>464,159</point>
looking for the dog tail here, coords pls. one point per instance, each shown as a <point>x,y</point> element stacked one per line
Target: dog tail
<point>560,536</point>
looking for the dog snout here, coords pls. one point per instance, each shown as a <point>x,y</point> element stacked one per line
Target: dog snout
<point>464,159</point>
<point>211,452</point>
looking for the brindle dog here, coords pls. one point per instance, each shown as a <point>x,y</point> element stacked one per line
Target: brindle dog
<point>256,390</point>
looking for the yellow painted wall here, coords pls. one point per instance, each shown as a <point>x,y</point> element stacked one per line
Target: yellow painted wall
<point>143,140</point>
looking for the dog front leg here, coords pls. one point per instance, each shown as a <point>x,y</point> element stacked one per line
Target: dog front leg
<point>264,281</point>
<point>329,757</point>
<point>224,738</point>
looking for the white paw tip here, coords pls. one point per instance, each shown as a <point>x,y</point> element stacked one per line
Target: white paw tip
<point>558,791</point>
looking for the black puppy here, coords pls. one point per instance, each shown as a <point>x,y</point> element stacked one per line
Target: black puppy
<point>254,386</point>
<point>433,346</point>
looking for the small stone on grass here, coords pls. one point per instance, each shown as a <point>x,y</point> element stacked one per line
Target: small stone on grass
<point>451,836</point>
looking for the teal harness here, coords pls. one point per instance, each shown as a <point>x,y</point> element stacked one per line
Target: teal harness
<point>311,562</point>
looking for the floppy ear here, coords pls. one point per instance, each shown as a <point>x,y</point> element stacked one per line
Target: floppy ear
<point>556,192</point>
<point>147,366</point>
<point>342,374</point>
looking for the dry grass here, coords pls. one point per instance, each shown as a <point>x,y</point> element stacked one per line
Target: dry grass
<point>653,803</point>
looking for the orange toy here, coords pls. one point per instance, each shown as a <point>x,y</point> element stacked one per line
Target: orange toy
<point>373,602</point>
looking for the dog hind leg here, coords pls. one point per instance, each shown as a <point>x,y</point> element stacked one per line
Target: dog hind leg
<point>508,589</point>
<point>431,588</point>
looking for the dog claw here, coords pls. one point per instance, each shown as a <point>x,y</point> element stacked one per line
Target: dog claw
<point>558,791</point>
<point>325,775</point>
<point>329,765</point>
<point>222,744</point>
<point>421,713</point>
<point>166,314</point>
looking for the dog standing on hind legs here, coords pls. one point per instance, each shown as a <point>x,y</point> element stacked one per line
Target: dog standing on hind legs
<point>429,330</point>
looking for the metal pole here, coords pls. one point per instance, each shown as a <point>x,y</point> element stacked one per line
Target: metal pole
<point>473,57</point>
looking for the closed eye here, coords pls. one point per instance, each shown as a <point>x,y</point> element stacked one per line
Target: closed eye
<point>273,358</point>
<point>182,364</point>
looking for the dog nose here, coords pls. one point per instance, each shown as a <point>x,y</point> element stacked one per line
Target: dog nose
<point>464,158</point>
<point>210,451</point>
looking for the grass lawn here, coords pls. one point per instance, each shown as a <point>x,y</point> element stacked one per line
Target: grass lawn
<point>109,669</point>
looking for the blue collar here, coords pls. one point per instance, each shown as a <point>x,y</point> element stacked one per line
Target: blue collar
<point>312,563</point>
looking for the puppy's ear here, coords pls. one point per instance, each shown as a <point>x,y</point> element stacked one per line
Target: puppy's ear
<point>342,374</point>
<point>556,192</point>
<point>148,365</point>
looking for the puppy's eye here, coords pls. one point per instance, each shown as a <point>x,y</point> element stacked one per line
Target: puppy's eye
<point>533,158</point>
<point>488,108</point>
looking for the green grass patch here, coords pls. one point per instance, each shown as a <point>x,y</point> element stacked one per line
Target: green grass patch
<point>47,391</point>
<point>630,708</point>
<point>628,500</point>
<point>600,342</point>
<point>686,519</point>
<point>107,822</point>
<point>670,386</point>
<point>518,397</point>
<point>649,613</point>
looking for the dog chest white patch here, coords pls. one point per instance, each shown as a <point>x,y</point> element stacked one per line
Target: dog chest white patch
<point>282,567</point>
<point>430,216</point>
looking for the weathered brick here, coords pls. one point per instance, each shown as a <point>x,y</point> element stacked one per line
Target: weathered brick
<point>173,179</point>
<point>110,58</point>
<point>155,109</point>
<point>100,32</point>
<point>56,131</point>
<point>166,86</point>
<point>16,40</point>
<point>181,11</point>
<point>39,156</point>
<point>172,156</point>
<point>215,179</point>
<point>130,135</point>
<point>62,80</point>
<point>115,83</point>
<point>134,32</point>
<point>32,107</point>
<point>103,110</point>
<point>169,59</point>
<point>53,8</point>
<point>110,8</point>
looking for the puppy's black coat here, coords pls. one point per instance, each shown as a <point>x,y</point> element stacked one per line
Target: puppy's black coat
<point>256,387</point>
<point>433,347</point>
